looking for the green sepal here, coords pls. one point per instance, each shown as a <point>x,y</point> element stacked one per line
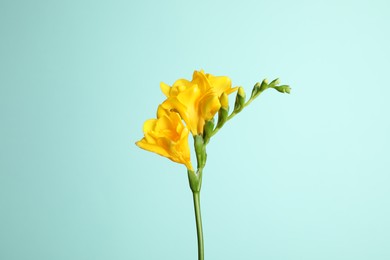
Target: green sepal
<point>274,83</point>
<point>240,100</point>
<point>222,116</point>
<point>208,130</point>
<point>283,89</point>
<point>263,85</point>
<point>256,90</point>
<point>195,179</point>
<point>200,150</point>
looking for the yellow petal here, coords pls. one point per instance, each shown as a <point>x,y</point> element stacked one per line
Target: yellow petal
<point>201,80</point>
<point>197,100</point>
<point>162,123</point>
<point>152,148</point>
<point>168,137</point>
<point>149,125</point>
<point>224,100</point>
<point>180,83</point>
<point>165,89</point>
<point>161,111</point>
<point>209,106</point>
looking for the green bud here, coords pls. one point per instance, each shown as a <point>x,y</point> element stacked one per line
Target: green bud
<point>283,89</point>
<point>256,90</point>
<point>222,116</point>
<point>264,85</point>
<point>223,111</point>
<point>200,150</point>
<point>274,83</point>
<point>240,100</point>
<point>208,130</point>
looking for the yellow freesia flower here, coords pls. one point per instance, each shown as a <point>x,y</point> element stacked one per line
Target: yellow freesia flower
<point>197,100</point>
<point>167,136</point>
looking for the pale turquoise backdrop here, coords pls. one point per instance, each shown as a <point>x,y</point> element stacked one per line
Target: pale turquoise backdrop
<point>294,177</point>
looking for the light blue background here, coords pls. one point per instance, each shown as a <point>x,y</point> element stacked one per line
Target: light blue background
<point>294,177</point>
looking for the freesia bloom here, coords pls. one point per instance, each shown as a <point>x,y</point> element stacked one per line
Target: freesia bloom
<point>197,100</point>
<point>167,136</point>
<point>190,106</point>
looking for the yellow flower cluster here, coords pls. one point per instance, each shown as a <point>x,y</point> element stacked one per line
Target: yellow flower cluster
<point>193,102</point>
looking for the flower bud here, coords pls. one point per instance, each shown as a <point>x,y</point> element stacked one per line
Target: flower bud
<point>240,100</point>
<point>224,100</point>
<point>283,89</point>
<point>208,130</point>
<point>256,90</point>
<point>274,83</point>
<point>200,150</point>
<point>263,85</point>
<point>223,111</point>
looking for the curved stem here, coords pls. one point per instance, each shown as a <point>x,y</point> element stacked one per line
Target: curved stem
<point>198,220</point>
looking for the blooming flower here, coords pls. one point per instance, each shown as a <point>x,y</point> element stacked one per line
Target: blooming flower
<point>167,136</point>
<point>197,100</point>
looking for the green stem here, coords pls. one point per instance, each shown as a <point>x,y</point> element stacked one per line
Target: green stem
<point>198,220</point>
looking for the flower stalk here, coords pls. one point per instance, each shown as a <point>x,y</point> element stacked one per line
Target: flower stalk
<point>199,230</point>
<point>195,180</point>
